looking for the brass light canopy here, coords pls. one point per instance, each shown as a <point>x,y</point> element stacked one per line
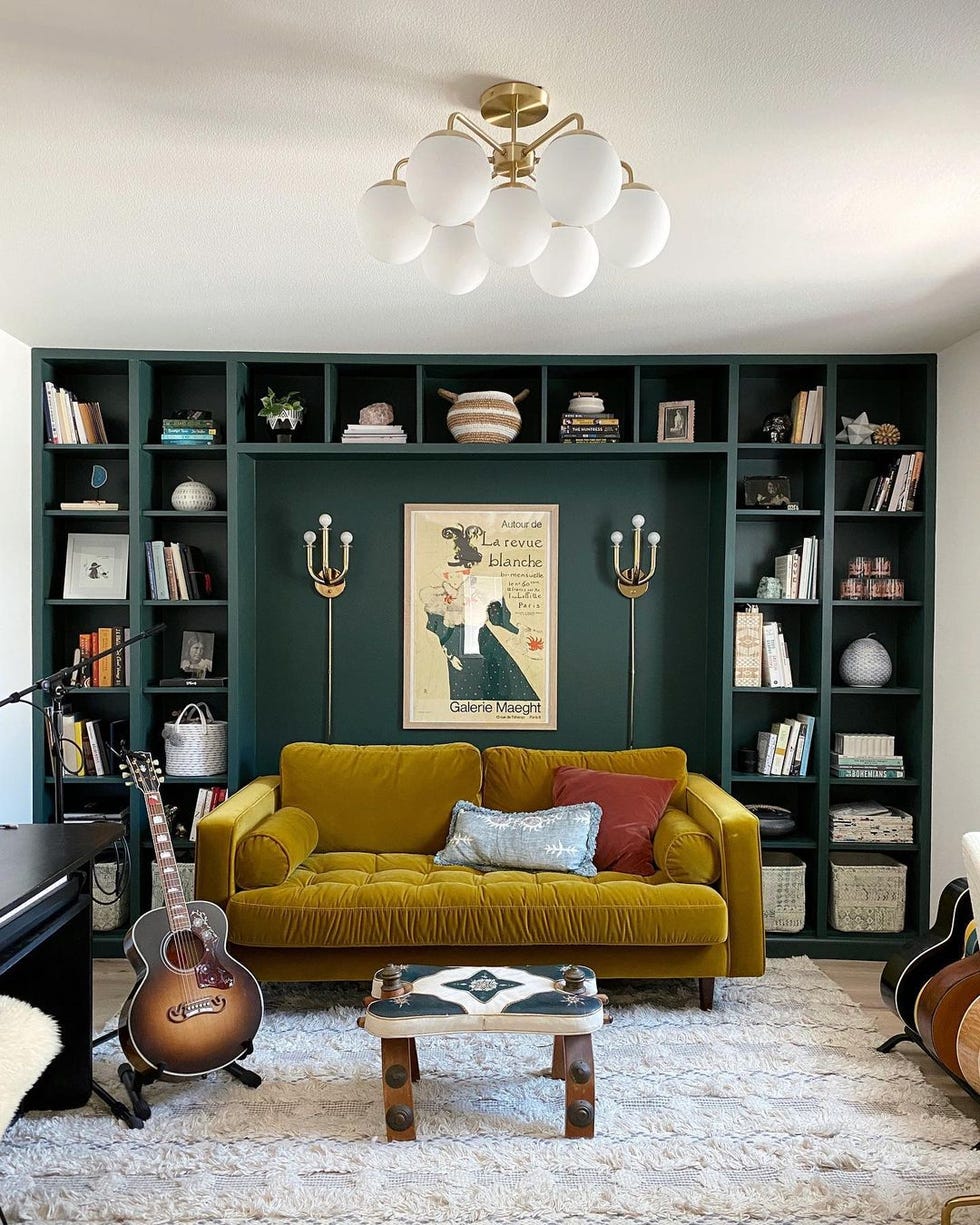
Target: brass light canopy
<point>508,102</point>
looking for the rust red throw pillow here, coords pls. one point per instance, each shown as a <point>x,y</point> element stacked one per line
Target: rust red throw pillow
<point>632,805</point>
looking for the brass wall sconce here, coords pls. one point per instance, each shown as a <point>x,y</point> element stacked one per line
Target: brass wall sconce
<point>328,583</point>
<point>632,583</point>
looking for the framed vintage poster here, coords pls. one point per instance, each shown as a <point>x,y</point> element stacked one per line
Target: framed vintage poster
<point>481,617</point>
<point>96,566</point>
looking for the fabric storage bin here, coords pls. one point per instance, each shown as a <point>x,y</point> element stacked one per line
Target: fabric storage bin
<point>186,873</point>
<point>867,893</point>
<point>783,892</point>
<point>108,915</point>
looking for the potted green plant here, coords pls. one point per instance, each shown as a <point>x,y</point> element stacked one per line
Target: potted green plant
<point>283,413</point>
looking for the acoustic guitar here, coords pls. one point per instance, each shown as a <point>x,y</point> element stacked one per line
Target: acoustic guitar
<point>942,1006</point>
<point>910,968</point>
<point>194,1008</point>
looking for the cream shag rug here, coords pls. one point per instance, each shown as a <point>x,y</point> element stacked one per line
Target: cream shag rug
<point>775,1107</point>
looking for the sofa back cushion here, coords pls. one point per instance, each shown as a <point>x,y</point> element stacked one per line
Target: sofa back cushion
<point>520,780</point>
<point>378,797</point>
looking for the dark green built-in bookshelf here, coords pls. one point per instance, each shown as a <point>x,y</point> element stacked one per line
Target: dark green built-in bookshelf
<point>269,625</point>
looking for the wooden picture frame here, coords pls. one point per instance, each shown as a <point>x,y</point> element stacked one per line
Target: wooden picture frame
<point>96,566</point>
<point>675,421</point>
<point>481,617</point>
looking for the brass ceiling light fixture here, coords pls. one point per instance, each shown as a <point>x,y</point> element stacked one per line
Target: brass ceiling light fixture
<point>458,207</point>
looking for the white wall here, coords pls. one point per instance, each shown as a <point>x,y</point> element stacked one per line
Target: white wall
<point>956,798</point>
<point>15,567</point>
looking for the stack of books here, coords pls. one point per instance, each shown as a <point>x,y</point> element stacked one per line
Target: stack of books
<point>865,755</point>
<point>806,414</point>
<point>87,746</point>
<point>896,488</point>
<point>777,671</point>
<point>797,570</point>
<point>194,430</point>
<point>578,427</point>
<point>68,420</point>
<point>207,799</point>
<point>869,821</point>
<point>106,673</point>
<point>785,748</point>
<point>176,572</point>
<point>374,433</point>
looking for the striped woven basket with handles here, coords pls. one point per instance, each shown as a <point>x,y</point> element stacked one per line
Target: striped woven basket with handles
<point>484,416</point>
<point>196,748</point>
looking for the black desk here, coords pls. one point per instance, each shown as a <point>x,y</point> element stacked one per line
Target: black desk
<point>46,948</point>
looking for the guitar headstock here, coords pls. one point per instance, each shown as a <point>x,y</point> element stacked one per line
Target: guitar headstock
<point>141,770</point>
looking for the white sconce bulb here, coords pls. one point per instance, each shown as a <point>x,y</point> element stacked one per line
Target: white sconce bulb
<point>346,537</point>
<point>616,537</point>
<point>309,537</point>
<point>638,521</point>
<point>325,520</point>
<point>654,538</point>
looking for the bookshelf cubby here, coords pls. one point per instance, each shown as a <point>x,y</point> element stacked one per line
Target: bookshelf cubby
<point>713,554</point>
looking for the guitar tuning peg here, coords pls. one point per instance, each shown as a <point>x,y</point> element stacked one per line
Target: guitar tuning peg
<point>156,761</point>
<point>129,782</point>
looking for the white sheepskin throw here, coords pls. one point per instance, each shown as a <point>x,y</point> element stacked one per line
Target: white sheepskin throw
<point>29,1040</point>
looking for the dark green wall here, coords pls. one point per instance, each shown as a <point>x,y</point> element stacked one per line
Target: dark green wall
<point>367,498</point>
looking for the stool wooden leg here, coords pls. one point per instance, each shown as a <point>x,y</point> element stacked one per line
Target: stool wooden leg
<point>414,1056</point>
<point>706,993</point>
<point>396,1079</point>
<point>579,1087</point>
<point>558,1058</point>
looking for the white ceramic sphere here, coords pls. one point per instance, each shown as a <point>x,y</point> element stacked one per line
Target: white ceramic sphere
<point>389,225</point>
<point>636,229</point>
<point>513,227</point>
<point>568,263</point>
<point>579,177</point>
<point>454,261</point>
<point>866,663</point>
<point>193,496</point>
<point>448,178</point>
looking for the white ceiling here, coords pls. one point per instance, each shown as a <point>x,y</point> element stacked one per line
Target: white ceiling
<point>184,173</point>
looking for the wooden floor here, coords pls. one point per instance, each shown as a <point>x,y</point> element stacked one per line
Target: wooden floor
<point>859,979</point>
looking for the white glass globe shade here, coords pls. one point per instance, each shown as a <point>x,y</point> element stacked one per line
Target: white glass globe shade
<point>448,178</point>
<point>654,538</point>
<point>325,520</point>
<point>579,177</point>
<point>512,227</point>
<point>638,521</point>
<point>454,261</point>
<point>616,537</point>
<point>568,263</point>
<point>346,537</point>
<point>637,228</point>
<point>388,224</point>
<point>309,537</point>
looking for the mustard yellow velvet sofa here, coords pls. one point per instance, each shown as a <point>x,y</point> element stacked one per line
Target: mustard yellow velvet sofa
<point>325,870</point>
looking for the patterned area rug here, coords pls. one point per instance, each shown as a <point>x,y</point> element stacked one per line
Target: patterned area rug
<point>774,1107</point>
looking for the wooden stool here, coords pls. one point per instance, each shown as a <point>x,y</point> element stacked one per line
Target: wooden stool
<point>407,1002</point>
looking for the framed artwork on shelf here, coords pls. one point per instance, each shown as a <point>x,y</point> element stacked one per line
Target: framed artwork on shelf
<point>481,617</point>
<point>96,566</point>
<point>196,653</point>
<point>675,421</point>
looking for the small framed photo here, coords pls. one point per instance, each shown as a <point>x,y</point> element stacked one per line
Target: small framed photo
<point>767,492</point>
<point>675,422</point>
<point>196,653</point>
<point>96,567</point>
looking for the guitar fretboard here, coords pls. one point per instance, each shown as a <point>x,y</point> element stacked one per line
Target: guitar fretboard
<point>163,849</point>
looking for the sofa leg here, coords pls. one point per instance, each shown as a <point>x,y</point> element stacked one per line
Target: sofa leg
<point>706,993</point>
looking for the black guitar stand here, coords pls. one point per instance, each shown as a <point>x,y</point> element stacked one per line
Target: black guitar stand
<point>909,1035</point>
<point>135,1082</point>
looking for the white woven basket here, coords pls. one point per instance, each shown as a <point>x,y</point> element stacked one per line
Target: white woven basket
<point>783,892</point>
<point>107,915</point>
<point>196,748</point>
<point>867,893</point>
<point>186,873</point>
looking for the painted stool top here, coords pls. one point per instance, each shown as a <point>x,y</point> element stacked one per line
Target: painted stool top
<point>470,999</point>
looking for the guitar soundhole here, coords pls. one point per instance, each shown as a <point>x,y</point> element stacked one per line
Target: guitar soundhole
<point>183,951</point>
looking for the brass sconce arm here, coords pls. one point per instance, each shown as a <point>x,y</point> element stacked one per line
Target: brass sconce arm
<point>632,583</point>
<point>329,583</point>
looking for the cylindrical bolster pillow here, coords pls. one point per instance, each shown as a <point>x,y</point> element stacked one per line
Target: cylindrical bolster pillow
<point>684,851</point>
<point>271,852</point>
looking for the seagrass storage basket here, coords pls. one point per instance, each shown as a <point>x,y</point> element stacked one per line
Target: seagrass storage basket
<point>867,893</point>
<point>186,873</point>
<point>109,913</point>
<point>783,892</point>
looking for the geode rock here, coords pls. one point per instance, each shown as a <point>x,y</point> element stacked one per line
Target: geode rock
<point>376,414</point>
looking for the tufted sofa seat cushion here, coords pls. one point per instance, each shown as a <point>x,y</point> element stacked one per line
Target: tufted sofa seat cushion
<point>361,899</point>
